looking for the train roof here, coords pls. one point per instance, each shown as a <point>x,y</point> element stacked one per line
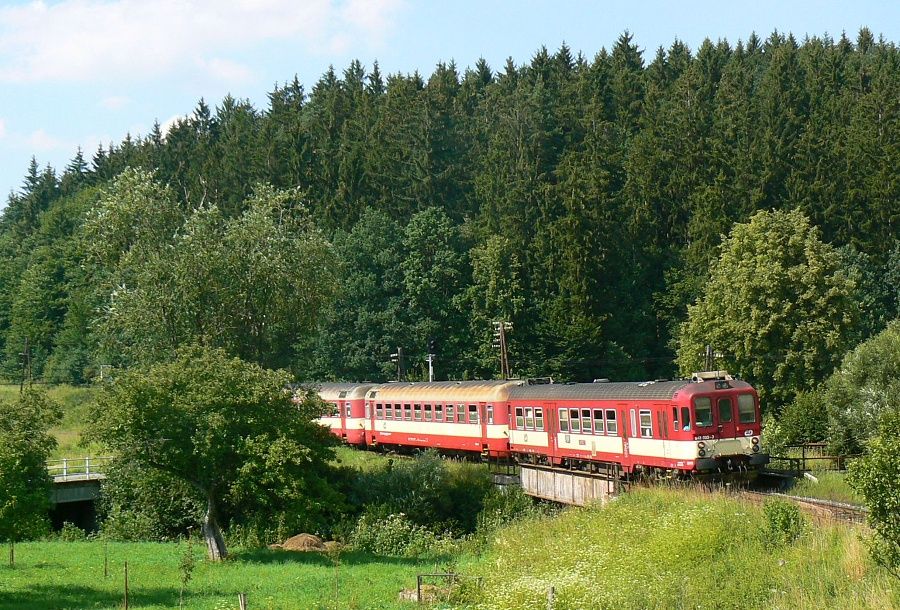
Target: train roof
<point>440,391</point>
<point>644,390</point>
<point>336,391</point>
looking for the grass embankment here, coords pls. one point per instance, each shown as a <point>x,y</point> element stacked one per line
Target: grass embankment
<point>70,575</point>
<point>75,403</point>
<point>831,486</point>
<point>666,549</point>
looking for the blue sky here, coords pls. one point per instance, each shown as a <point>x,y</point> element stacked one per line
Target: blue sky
<point>81,72</point>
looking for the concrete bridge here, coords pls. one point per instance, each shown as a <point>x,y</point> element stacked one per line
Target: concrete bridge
<point>77,479</point>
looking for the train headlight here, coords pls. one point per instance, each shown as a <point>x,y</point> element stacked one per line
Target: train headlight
<point>754,440</point>
<point>702,452</point>
<point>755,448</point>
<point>701,445</point>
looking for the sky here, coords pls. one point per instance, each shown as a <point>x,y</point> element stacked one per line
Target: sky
<point>78,73</point>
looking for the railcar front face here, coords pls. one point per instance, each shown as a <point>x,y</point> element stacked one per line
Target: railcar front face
<point>726,424</point>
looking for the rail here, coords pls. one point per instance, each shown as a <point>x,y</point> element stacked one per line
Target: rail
<point>78,469</point>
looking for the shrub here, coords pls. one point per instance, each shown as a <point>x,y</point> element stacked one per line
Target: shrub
<point>71,533</point>
<point>395,535</point>
<point>877,477</point>
<point>805,419</point>
<point>783,522</point>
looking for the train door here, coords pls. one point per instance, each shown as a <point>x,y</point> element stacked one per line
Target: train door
<point>725,413</point>
<point>551,423</point>
<point>485,412</point>
<point>623,417</point>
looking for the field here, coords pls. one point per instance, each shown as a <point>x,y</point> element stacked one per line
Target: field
<point>70,575</point>
<point>75,402</point>
<point>665,549</point>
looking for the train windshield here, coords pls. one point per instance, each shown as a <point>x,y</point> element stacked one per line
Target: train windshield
<point>746,409</point>
<point>703,412</point>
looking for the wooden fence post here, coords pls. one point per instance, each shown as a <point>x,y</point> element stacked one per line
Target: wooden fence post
<point>242,601</point>
<point>126,585</point>
<point>551,598</point>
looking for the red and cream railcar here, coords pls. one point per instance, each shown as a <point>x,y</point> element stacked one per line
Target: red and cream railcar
<point>671,426</point>
<point>452,416</point>
<point>347,418</point>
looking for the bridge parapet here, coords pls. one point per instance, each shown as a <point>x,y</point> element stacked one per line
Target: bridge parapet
<point>78,469</point>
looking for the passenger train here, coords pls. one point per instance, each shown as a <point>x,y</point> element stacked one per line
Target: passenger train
<point>708,424</point>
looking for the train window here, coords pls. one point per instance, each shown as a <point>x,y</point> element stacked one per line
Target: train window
<point>586,421</point>
<point>675,419</point>
<point>407,413</point>
<point>646,424</point>
<point>489,414</point>
<point>633,424</point>
<point>450,413</point>
<point>520,419</point>
<point>563,420</point>
<point>473,414</point>
<point>398,412</point>
<point>703,412</point>
<point>685,418</point>
<point>335,409</point>
<point>598,421</point>
<point>428,412</point>
<point>725,412</point>
<point>746,409</point>
<point>460,414</point>
<point>529,418</point>
<point>611,428</point>
<point>417,412</point>
<point>538,419</point>
<point>438,412</point>
<point>574,421</point>
<point>347,410</point>
<point>379,412</point>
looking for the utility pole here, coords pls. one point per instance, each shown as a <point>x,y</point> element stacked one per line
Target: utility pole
<point>25,357</point>
<point>432,348</point>
<point>709,358</point>
<point>397,357</point>
<point>500,329</point>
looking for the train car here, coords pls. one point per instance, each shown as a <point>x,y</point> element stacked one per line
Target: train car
<point>451,416</point>
<point>347,417</point>
<point>669,427</point>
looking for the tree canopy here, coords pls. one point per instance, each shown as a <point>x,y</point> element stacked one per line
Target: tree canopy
<point>227,428</point>
<point>24,450</point>
<point>778,306</point>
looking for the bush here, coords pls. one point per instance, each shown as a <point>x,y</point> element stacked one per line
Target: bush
<point>805,419</point>
<point>397,536</point>
<point>429,490</point>
<point>877,477</point>
<point>784,523</point>
<point>71,533</point>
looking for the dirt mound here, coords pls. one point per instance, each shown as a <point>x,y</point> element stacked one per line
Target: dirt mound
<point>333,545</point>
<point>303,542</point>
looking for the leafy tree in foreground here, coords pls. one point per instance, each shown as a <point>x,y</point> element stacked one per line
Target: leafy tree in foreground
<point>226,427</point>
<point>24,481</point>
<point>778,303</point>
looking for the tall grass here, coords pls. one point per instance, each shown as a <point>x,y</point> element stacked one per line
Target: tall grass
<point>668,549</point>
<point>831,486</point>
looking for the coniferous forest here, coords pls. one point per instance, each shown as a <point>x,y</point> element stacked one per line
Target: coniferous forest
<point>607,207</point>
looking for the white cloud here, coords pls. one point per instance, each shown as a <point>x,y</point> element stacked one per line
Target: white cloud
<point>42,141</point>
<point>226,70</point>
<point>115,102</point>
<point>85,40</point>
<point>169,123</point>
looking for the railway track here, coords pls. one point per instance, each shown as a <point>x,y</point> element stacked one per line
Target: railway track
<point>821,510</point>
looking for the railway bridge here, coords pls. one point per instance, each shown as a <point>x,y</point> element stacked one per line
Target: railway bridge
<point>76,487</point>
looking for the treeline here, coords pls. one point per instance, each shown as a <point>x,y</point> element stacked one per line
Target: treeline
<point>583,200</point>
